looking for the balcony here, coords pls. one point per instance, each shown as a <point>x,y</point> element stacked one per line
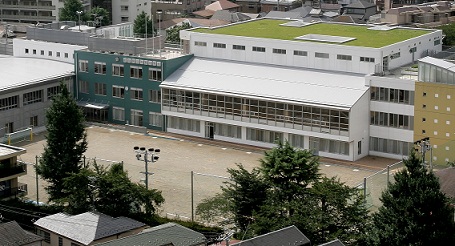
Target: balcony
<point>29,18</point>
<point>21,190</point>
<point>15,170</point>
<point>26,7</point>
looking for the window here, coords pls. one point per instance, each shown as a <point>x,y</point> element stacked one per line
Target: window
<point>184,124</point>
<point>34,120</point>
<point>260,135</point>
<point>50,53</point>
<point>436,95</point>
<point>238,47</point>
<point>424,94</point>
<point>60,241</point>
<point>46,235</point>
<point>26,51</point>
<point>34,52</point>
<point>448,96</point>
<point>395,55</point>
<point>366,59</point>
<point>219,45</point>
<point>136,117</point>
<point>118,91</point>
<point>424,119</point>
<point>136,94</point>
<point>118,113</point>
<point>9,127</point>
<point>136,72</point>
<point>83,66</point>
<point>124,8</point>
<point>321,55</point>
<point>300,53</point>
<point>118,70</point>
<point>42,52</point>
<point>279,51</point>
<point>258,49</point>
<point>66,55</point>
<point>124,19</point>
<point>83,86</point>
<point>437,42</point>
<point>58,54</point>
<point>344,57</point>
<point>155,119</point>
<point>100,68</point>
<point>9,103</point>
<point>100,89</point>
<point>155,96</point>
<point>154,74</point>
<point>33,97</point>
<point>197,43</point>
<point>52,91</point>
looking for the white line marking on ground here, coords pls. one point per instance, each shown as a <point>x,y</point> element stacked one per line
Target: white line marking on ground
<point>223,148</point>
<point>248,153</point>
<point>356,170</point>
<point>327,165</point>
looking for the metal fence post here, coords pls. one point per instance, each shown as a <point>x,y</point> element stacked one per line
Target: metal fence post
<point>365,189</point>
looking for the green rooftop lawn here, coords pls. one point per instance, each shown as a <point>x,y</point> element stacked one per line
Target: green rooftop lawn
<point>268,28</point>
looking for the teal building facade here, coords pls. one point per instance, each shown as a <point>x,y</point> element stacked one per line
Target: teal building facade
<point>120,89</point>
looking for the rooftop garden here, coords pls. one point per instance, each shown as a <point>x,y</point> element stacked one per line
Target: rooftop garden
<point>268,28</point>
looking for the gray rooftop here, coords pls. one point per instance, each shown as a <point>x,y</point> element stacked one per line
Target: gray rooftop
<point>8,151</point>
<point>439,62</point>
<point>269,82</point>
<point>87,227</point>
<point>166,234</point>
<point>20,71</point>
<point>11,234</point>
<point>287,236</point>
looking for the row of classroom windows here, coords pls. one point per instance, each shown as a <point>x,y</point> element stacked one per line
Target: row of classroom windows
<point>259,135</point>
<point>136,72</point>
<point>287,115</point>
<point>284,51</point>
<point>117,91</point>
<point>28,98</point>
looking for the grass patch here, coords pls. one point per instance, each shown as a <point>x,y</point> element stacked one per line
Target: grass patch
<point>271,29</point>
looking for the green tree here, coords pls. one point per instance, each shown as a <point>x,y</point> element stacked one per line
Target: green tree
<point>139,25</point>
<point>69,11</point>
<point>449,31</point>
<point>173,34</point>
<point>66,142</point>
<point>100,16</point>
<point>109,191</point>
<point>414,210</point>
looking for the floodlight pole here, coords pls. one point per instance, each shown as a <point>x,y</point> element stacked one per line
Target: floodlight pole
<point>79,15</point>
<point>148,153</point>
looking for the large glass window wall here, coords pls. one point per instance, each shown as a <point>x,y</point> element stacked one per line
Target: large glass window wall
<point>435,74</point>
<point>390,146</point>
<point>391,95</point>
<point>294,116</point>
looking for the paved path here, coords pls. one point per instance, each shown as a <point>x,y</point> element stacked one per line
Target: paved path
<point>179,156</point>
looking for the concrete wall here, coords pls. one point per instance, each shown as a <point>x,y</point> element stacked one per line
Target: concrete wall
<point>52,51</point>
<point>135,7</point>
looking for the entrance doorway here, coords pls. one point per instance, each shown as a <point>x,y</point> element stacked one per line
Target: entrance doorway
<point>209,130</point>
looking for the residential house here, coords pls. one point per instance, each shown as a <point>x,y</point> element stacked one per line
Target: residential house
<point>249,6</point>
<point>360,11</point>
<point>10,169</point>
<point>231,17</point>
<point>171,9</point>
<point>210,9</point>
<point>287,236</point>
<point>39,11</point>
<point>430,15</point>
<point>335,242</point>
<point>162,235</point>
<point>11,234</point>
<point>447,181</point>
<point>127,11</point>
<point>279,5</point>
<point>89,228</point>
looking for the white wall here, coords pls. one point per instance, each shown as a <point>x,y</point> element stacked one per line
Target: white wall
<point>135,7</point>
<point>20,46</point>
<point>359,122</point>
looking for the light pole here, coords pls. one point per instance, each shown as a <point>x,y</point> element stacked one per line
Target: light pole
<point>146,155</point>
<point>159,28</point>
<point>79,15</point>
<point>424,145</point>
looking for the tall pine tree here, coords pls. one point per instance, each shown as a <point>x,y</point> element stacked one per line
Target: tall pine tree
<point>414,210</point>
<point>66,143</point>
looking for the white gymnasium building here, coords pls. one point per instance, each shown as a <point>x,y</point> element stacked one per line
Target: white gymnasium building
<point>334,88</point>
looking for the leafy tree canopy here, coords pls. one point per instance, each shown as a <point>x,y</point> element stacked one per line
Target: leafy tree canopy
<point>173,34</point>
<point>287,189</point>
<point>140,23</point>
<point>69,11</point>
<point>100,16</point>
<point>66,142</point>
<point>109,191</point>
<point>414,210</point>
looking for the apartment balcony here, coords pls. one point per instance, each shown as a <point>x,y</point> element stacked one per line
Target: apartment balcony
<point>21,190</point>
<point>14,171</point>
<point>29,18</point>
<point>26,7</point>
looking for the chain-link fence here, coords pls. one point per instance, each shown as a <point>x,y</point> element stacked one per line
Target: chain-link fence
<point>373,185</point>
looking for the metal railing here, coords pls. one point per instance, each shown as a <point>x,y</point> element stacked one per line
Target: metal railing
<point>20,190</point>
<point>18,168</point>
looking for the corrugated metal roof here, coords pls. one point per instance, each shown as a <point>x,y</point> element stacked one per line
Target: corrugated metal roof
<point>87,227</point>
<point>18,71</point>
<point>316,87</point>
